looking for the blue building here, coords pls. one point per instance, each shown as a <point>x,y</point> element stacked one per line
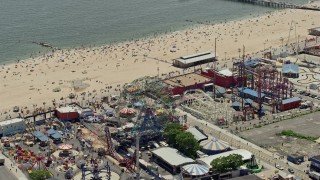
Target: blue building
<point>315,163</point>
<point>251,63</point>
<point>290,70</point>
<point>249,93</point>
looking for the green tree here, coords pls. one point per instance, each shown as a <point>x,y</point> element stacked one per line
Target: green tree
<point>187,144</point>
<point>173,126</point>
<point>228,163</point>
<point>40,175</point>
<point>171,131</point>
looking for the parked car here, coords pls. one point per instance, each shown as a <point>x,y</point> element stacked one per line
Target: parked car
<point>301,92</point>
<point>313,95</point>
<point>291,170</point>
<point>92,119</point>
<point>307,94</point>
<point>279,167</point>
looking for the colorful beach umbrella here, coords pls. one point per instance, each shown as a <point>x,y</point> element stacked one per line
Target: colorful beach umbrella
<point>195,169</point>
<point>214,145</point>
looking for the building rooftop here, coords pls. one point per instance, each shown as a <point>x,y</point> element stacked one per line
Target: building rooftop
<point>11,121</point>
<point>56,135</point>
<point>197,134</point>
<point>246,155</point>
<point>225,72</point>
<point>250,92</point>
<point>251,62</point>
<point>290,68</point>
<point>248,101</point>
<point>290,100</point>
<point>186,80</point>
<point>172,156</point>
<point>67,109</point>
<point>51,131</point>
<point>236,103</point>
<point>315,159</point>
<point>315,29</point>
<point>197,57</point>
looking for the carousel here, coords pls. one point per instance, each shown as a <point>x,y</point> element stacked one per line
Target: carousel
<point>213,146</point>
<point>195,170</point>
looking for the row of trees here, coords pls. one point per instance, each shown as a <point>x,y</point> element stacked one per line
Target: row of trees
<point>181,140</point>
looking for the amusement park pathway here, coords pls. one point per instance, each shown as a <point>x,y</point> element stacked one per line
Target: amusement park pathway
<point>263,155</point>
<point>16,173</point>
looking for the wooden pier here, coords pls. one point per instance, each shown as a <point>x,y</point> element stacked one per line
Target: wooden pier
<point>275,4</point>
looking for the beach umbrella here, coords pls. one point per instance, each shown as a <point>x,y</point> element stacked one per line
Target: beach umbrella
<point>71,96</point>
<point>138,104</point>
<point>214,145</point>
<point>195,169</point>
<point>65,147</point>
<point>57,89</point>
<point>15,109</point>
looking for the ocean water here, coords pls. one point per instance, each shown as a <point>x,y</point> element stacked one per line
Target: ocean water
<point>75,23</point>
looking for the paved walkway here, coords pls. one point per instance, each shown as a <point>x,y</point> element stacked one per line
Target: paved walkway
<point>103,175</point>
<point>13,167</point>
<point>235,141</point>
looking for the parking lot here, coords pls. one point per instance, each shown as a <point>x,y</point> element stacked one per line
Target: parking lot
<point>266,136</point>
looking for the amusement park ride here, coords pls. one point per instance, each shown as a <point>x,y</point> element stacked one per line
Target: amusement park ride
<point>264,80</point>
<point>149,124</point>
<point>95,171</point>
<point>127,162</point>
<point>146,126</point>
<point>204,106</point>
<point>39,160</point>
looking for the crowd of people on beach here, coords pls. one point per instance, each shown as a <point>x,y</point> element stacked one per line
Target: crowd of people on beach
<point>116,64</point>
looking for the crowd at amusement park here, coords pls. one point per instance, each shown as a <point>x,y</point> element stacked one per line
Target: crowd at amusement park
<point>100,135</point>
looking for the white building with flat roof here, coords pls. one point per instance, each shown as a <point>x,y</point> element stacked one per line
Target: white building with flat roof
<point>195,59</point>
<point>199,136</point>
<point>12,126</point>
<point>170,158</point>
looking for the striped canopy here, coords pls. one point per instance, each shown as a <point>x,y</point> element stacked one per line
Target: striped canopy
<point>65,147</point>
<point>214,145</point>
<point>195,169</point>
<point>127,111</point>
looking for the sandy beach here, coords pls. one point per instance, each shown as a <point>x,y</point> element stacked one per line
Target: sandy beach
<point>32,81</point>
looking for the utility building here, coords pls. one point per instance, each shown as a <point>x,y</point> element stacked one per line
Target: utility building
<point>290,70</point>
<point>12,126</point>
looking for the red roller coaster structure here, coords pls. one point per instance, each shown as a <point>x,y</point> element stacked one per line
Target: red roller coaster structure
<point>263,79</point>
<point>128,162</point>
